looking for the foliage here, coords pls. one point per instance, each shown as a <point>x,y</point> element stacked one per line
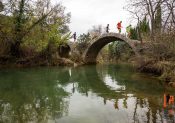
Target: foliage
<point>134,33</point>
<point>83,42</point>
<point>119,51</point>
<point>1,6</point>
<point>141,30</point>
<point>144,26</point>
<point>32,24</point>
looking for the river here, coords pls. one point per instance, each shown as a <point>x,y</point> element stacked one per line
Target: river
<point>85,94</point>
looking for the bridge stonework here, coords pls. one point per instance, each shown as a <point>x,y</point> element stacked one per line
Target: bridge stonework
<point>97,44</point>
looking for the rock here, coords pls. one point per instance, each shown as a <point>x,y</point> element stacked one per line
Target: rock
<point>75,65</point>
<point>172,84</point>
<point>66,62</point>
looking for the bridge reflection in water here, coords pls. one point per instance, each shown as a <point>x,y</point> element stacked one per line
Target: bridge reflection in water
<point>88,94</point>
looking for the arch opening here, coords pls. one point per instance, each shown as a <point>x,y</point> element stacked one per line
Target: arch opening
<point>117,51</point>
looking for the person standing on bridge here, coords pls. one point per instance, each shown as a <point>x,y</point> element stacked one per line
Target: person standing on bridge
<point>119,26</point>
<point>75,36</point>
<point>107,28</point>
<point>128,30</point>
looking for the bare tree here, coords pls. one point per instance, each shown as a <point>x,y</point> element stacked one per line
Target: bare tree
<point>161,13</point>
<point>169,15</point>
<point>95,31</point>
<point>147,8</point>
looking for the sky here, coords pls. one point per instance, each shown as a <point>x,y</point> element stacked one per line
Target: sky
<point>87,13</point>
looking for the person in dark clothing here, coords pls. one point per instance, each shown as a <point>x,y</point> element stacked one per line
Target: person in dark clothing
<point>75,36</point>
<point>107,28</point>
<point>167,98</point>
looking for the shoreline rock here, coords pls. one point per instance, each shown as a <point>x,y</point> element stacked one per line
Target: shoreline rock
<point>172,84</point>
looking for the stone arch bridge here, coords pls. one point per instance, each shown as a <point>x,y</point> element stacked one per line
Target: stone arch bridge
<point>91,53</point>
<point>97,44</point>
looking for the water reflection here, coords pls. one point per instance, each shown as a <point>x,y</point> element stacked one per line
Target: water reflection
<point>88,94</point>
<point>31,96</point>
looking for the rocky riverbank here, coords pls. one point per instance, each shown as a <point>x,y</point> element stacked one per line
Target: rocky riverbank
<point>164,69</point>
<point>7,61</point>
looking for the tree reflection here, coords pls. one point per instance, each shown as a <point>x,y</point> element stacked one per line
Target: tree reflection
<point>31,95</point>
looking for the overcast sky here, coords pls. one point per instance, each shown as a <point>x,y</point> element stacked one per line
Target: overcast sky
<point>86,13</point>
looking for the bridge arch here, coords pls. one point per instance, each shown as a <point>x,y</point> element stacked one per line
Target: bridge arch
<point>96,45</point>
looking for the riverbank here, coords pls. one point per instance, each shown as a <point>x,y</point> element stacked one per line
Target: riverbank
<point>8,62</point>
<point>165,70</point>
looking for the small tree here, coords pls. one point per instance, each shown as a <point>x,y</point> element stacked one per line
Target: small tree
<point>83,41</point>
<point>134,33</point>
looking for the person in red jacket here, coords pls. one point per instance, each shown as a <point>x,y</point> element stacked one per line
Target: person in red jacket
<point>119,26</point>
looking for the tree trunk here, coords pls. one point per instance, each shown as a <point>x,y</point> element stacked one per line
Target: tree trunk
<point>152,29</point>
<point>139,32</point>
<point>15,49</point>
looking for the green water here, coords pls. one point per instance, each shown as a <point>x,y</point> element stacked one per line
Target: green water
<point>86,94</point>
